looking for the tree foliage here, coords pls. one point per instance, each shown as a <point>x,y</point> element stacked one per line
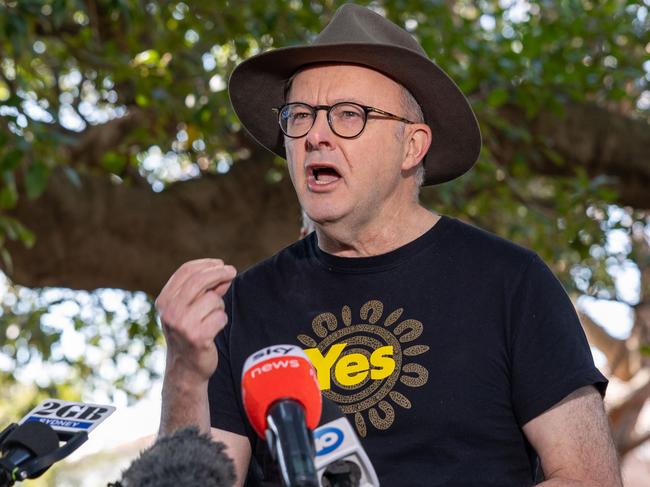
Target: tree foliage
<point>130,94</point>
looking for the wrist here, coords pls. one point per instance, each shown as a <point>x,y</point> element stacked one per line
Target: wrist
<point>184,403</point>
<point>181,375</point>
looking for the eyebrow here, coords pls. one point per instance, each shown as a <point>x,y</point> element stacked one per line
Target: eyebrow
<point>334,102</point>
<point>354,100</point>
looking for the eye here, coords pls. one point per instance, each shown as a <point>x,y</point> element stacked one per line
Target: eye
<point>349,114</point>
<point>300,115</point>
<point>297,114</point>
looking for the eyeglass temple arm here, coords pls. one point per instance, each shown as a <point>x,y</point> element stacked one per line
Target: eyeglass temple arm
<point>387,114</point>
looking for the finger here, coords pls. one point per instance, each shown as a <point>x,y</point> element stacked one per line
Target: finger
<point>201,323</point>
<point>205,304</point>
<point>186,271</point>
<point>222,288</point>
<point>194,301</point>
<point>203,280</point>
<point>215,321</point>
<point>201,333</point>
<point>182,274</point>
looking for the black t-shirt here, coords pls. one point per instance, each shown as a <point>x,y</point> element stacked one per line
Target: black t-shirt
<point>438,352</point>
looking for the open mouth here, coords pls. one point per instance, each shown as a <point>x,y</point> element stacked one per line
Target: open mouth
<point>325,175</point>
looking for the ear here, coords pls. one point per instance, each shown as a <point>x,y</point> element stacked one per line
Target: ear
<point>417,139</point>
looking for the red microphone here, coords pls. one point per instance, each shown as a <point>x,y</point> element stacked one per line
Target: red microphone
<point>283,403</point>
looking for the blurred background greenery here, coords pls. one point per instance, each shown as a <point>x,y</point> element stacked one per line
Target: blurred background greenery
<point>121,158</point>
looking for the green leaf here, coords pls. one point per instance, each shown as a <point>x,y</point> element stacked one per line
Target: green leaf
<point>141,100</point>
<point>150,57</point>
<point>645,350</point>
<point>25,234</point>
<point>8,193</point>
<point>4,91</point>
<point>133,330</point>
<point>7,262</point>
<point>114,162</point>
<point>7,228</point>
<point>273,176</point>
<point>497,97</point>
<point>554,156</point>
<point>36,179</point>
<point>11,160</point>
<point>14,230</point>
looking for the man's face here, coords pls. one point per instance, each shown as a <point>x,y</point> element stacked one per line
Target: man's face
<point>337,178</point>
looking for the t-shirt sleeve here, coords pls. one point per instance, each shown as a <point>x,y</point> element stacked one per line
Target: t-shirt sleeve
<point>550,355</point>
<point>223,392</point>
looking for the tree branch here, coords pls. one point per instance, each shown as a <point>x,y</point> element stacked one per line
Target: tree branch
<point>96,140</point>
<point>623,417</point>
<point>601,142</point>
<point>108,235</point>
<point>623,362</point>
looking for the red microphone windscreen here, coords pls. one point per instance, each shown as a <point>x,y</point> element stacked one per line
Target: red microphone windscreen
<point>275,373</point>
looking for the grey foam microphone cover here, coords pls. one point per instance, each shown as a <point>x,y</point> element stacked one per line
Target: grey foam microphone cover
<point>184,458</point>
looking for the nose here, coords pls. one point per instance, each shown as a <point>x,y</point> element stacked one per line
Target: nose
<point>320,136</point>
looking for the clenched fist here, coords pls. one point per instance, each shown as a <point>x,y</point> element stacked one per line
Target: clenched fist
<point>191,311</point>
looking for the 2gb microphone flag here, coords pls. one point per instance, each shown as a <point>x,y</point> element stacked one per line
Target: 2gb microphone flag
<point>69,417</point>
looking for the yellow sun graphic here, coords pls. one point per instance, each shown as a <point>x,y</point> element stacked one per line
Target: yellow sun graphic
<point>371,398</point>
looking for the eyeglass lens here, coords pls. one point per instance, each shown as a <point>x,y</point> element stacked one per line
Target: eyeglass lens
<point>345,119</point>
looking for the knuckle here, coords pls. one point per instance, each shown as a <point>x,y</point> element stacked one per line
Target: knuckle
<point>160,303</point>
<point>222,318</point>
<point>215,300</point>
<point>188,267</point>
<point>193,288</point>
<point>200,337</point>
<point>172,318</point>
<point>217,320</point>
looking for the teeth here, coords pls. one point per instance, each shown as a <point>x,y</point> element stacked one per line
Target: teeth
<point>323,176</point>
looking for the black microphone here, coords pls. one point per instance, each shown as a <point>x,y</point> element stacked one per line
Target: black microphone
<point>283,404</point>
<point>21,445</point>
<point>28,448</point>
<point>183,459</point>
<point>291,443</point>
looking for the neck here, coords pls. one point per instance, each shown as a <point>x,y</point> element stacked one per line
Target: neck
<point>379,236</point>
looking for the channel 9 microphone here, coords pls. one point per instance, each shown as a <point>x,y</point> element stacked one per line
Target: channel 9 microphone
<point>186,458</point>
<point>283,403</point>
<point>48,433</point>
<point>341,461</point>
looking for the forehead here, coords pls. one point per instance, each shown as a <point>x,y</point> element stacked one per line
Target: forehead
<point>328,83</point>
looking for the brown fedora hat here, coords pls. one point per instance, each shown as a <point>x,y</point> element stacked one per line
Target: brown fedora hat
<point>358,35</point>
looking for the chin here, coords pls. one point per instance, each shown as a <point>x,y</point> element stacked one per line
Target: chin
<point>323,215</point>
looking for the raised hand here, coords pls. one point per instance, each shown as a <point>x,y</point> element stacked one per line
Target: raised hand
<point>191,311</point>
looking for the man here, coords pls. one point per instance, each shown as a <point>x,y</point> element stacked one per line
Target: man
<point>456,354</point>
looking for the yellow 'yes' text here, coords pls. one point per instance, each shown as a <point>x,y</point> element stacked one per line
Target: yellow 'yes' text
<point>353,368</point>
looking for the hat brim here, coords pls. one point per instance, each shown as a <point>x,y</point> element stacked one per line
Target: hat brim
<point>257,85</point>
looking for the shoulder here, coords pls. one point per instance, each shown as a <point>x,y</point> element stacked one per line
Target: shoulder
<point>481,248</point>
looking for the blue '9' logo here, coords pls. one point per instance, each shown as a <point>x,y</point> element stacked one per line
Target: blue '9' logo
<point>327,440</point>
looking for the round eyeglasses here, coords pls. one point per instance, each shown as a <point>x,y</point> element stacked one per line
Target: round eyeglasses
<point>346,119</point>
